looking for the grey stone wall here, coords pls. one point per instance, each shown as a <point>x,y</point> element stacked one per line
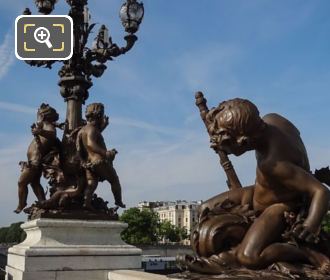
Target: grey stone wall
<point>166,250</point>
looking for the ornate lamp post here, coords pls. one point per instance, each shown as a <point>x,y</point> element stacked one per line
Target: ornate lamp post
<point>75,81</point>
<point>76,73</point>
<point>71,223</point>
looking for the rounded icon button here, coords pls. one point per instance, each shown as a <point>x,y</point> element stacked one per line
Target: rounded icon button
<point>42,35</point>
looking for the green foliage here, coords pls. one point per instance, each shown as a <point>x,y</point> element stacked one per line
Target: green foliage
<point>326,223</point>
<point>12,234</point>
<point>172,233</point>
<point>3,234</point>
<point>142,226</point>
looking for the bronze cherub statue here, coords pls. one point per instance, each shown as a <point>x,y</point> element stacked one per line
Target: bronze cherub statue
<point>71,192</point>
<point>276,220</point>
<point>44,141</point>
<point>96,159</point>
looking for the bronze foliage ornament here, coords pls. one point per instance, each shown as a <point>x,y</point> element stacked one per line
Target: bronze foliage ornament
<point>275,223</point>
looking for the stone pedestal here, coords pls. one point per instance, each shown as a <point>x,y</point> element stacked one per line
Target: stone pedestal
<point>71,249</point>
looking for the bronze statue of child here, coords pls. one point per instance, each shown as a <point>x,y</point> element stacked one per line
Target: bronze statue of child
<point>283,180</point>
<point>97,160</point>
<point>45,140</point>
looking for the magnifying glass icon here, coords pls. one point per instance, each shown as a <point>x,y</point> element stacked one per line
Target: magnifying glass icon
<point>41,35</point>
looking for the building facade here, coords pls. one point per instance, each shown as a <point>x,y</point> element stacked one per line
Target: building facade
<point>180,213</point>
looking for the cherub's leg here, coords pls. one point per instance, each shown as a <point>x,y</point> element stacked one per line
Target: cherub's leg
<point>318,259</point>
<point>259,247</point>
<point>110,174</point>
<point>22,193</point>
<point>27,176</point>
<point>38,189</point>
<point>240,196</point>
<point>90,189</point>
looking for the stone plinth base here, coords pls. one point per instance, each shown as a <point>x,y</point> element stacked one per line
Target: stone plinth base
<point>71,249</point>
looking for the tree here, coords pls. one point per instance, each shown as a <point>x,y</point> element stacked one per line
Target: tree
<point>172,233</point>
<point>3,234</point>
<point>12,234</point>
<point>142,226</point>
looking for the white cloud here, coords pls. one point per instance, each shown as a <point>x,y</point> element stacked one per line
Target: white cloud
<point>182,168</point>
<point>119,121</point>
<point>17,108</point>
<point>122,121</point>
<point>7,57</point>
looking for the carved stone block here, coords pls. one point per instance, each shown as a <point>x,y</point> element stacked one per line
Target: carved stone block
<point>71,249</point>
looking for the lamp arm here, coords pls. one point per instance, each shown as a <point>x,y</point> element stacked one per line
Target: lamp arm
<point>102,55</point>
<point>130,42</point>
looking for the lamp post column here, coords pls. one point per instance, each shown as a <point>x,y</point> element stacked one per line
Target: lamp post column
<point>73,82</point>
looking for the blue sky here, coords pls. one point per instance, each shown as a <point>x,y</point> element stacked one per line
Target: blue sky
<point>275,53</point>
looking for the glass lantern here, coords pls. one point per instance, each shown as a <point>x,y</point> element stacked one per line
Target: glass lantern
<point>45,6</point>
<point>131,15</point>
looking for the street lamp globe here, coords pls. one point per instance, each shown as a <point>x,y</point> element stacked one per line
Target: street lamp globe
<point>131,15</point>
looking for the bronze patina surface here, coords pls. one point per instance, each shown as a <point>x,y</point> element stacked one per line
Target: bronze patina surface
<point>72,195</point>
<point>277,221</point>
<point>302,272</point>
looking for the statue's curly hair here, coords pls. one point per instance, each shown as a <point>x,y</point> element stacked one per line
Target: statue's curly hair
<point>239,116</point>
<point>94,111</point>
<point>48,113</point>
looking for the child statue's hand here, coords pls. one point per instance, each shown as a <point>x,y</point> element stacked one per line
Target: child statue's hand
<point>305,233</point>
<point>35,130</point>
